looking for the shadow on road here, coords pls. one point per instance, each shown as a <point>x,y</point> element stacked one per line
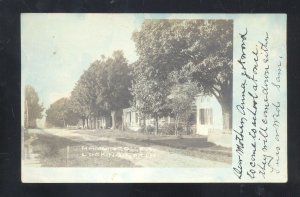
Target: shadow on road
<point>55,151</point>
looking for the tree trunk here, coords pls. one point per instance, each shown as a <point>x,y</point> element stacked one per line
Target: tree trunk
<point>156,129</point>
<point>113,119</point>
<point>176,125</point>
<point>64,122</point>
<point>227,114</point>
<point>92,122</point>
<point>145,124</point>
<point>187,124</point>
<point>97,123</point>
<point>32,124</point>
<point>87,122</point>
<point>187,127</point>
<point>83,122</point>
<point>225,99</point>
<point>95,119</point>
<point>122,122</point>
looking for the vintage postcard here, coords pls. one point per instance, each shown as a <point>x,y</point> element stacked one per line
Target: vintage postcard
<point>154,98</point>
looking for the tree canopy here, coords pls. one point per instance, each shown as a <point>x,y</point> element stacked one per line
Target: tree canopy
<point>114,80</point>
<point>177,60</point>
<point>198,49</point>
<point>60,114</point>
<point>181,98</point>
<point>84,94</point>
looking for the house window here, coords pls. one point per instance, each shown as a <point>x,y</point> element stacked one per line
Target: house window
<point>206,116</point>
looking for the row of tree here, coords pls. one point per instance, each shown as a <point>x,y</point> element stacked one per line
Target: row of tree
<point>102,90</point>
<point>177,60</point>
<point>60,114</point>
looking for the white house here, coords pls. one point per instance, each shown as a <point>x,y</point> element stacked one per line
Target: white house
<point>207,108</point>
<point>131,119</point>
<point>209,120</point>
<point>209,114</point>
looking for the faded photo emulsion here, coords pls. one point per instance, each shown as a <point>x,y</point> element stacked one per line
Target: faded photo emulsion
<point>151,98</point>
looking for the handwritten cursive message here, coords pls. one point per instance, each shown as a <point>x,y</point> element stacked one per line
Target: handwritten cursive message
<point>257,131</point>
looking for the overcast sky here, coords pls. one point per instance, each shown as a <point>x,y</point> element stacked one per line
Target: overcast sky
<point>56,48</point>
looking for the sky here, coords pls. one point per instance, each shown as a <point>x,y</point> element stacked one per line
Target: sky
<point>57,48</point>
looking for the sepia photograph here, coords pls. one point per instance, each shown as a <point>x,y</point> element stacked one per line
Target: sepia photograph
<point>126,91</point>
<point>153,98</point>
<point>132,92</point>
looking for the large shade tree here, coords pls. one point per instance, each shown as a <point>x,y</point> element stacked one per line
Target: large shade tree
<point>150,98</point>
<point>83,96</point>
<point>60,114</point>
<point>151,86</point>
<point>211,64</point>
<point>33,108</point>
<point>113,80</point>
<point>200,49</point>
<point>181,98</point>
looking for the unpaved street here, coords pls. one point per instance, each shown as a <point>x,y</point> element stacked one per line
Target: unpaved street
<point>88,148</point>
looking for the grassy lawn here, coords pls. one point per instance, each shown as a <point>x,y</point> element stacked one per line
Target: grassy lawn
<point>203,150</point>
<point>56,151</point>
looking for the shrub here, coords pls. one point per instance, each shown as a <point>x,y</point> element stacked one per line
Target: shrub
<point>169,129</point>
<point>150,129</point>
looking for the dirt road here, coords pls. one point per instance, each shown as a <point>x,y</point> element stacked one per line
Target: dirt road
<point>86,148</point>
